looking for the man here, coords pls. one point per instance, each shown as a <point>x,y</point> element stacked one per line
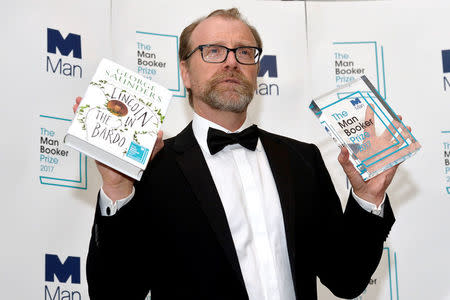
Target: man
<point>240,216</point>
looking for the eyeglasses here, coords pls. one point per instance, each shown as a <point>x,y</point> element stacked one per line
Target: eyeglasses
<point>218,54</point>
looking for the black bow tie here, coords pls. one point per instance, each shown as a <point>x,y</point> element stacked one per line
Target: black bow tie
<point>218,139</point>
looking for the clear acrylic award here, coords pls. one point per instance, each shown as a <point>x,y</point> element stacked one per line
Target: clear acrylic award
<point>358,118</point>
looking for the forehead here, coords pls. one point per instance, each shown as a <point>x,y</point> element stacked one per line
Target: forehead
<point>225,31</point>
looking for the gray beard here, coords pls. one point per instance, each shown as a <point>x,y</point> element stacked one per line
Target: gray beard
<point>234,100</point>
<point>219,100</point>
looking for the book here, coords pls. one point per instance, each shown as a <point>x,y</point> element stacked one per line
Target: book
<point>358,118</point>
<point>118,119</point>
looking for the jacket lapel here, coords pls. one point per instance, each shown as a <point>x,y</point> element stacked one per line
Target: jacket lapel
<point>192,162</point>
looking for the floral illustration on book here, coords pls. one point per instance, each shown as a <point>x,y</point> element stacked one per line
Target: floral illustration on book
<point>122,115</point>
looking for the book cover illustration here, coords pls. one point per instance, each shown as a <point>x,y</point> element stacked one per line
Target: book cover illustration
<point>119,117</point>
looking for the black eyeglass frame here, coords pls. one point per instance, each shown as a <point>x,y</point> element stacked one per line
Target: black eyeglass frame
<point>200,47</point>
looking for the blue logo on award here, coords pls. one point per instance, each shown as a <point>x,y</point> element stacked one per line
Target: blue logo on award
<point>357,104</point>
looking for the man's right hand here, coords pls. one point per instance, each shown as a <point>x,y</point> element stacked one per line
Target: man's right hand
<point>115,184</point>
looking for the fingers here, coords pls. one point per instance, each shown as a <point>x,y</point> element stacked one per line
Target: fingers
<point>352,174</point>
<point>77,103</point>
<point>344,160</point>
<point>159,141</point>
<point>391,130</point>
<point>396,132</point>
<point>159,144</point>
<point>408,134</point>
<point>370,117</point>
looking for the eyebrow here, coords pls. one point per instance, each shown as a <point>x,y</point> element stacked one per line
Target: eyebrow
<point>239,44</point>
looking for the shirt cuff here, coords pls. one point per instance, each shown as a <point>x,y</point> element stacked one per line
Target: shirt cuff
<point>108,207</point>
<point>370,207</point>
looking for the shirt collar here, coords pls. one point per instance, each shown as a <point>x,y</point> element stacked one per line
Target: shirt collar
<point>201,125</point>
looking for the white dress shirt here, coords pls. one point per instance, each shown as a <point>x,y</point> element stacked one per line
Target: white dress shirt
<point>247,189</point>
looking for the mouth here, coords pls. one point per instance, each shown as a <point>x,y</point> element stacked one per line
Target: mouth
<point>231,80</point>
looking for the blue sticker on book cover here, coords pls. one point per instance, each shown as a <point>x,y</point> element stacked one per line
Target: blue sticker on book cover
<point>137,152</point>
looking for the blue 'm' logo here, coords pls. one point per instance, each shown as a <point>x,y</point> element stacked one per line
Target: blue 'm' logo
<point>268,63</point>
<point>355,101</point>
<point>446,60</point>
<point>65,45</point>
<point>53,266</point>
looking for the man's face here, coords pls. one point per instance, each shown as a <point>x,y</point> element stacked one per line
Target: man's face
<point>227,86</point>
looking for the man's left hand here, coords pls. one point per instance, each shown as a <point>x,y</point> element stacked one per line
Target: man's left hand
<point>372,190</point>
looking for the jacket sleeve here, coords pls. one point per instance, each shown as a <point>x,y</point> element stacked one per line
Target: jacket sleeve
<point>118,254</point>
<point>349,245</point>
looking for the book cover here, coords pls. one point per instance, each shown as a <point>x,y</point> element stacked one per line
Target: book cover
<point>358,118</point>
<point>118,119</point>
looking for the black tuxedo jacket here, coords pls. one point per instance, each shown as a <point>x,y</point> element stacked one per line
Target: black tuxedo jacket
<point>173,237</point>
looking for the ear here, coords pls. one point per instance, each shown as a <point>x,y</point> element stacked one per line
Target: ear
<point>185,74</point>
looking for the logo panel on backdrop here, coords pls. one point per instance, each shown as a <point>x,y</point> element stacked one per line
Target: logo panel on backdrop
<point>59,165</point>
<point>446,68</point>
<point>446,159</point>
<point>64,54</point>
<point>446,133</point>
<point>157,60</point>
<point>351,60</point>
<point>268,77</point>
<point>62,271</point>
<point>72,43</point>
<point>384,282</point>
<point>354,59</point>
<point>57,274</point>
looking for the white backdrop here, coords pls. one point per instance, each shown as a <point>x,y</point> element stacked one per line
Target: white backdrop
<point>48,211</point>
<point>49,198</point>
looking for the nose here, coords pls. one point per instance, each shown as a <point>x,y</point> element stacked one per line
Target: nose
<point>231,61</point>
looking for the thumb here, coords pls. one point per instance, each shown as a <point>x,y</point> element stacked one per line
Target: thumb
<point>347,166</point>
<point>159,144</point>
